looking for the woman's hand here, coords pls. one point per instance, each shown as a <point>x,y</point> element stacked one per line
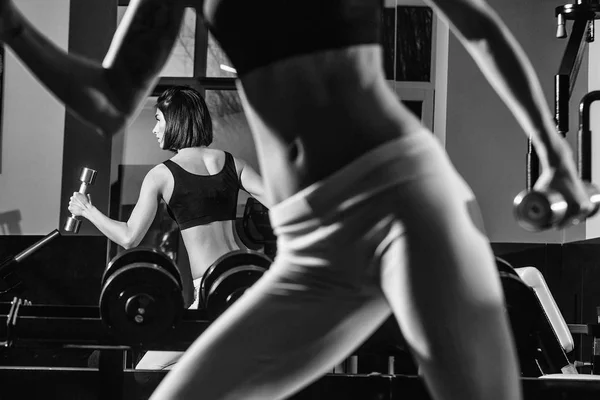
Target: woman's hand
<point>561,176</point>
<point>79,204</point>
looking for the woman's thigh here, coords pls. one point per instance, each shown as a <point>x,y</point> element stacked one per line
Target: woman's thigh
<point>287,330</point>
<point>442,284</point>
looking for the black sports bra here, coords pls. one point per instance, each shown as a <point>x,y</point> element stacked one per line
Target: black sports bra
<point>202,199</point>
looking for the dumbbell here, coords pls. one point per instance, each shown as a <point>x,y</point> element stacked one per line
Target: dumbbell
<point>87,178</point>
<point>228,278</point>
<point>541,210</point>
<point>141,297</point>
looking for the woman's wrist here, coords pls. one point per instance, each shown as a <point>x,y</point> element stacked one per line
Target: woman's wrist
<point>88,211</point>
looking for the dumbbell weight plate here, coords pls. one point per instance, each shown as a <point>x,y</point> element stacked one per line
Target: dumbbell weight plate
<point>140,300</point>
<point>87,176</point>
<point>141,254</point>
<point>225,263</point>
<point>230,286</point>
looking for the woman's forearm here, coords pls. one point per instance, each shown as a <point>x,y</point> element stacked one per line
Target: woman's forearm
<point>107,95</point>
<point>116,231</point>
<point>81,84</point>
<point>506,66</point>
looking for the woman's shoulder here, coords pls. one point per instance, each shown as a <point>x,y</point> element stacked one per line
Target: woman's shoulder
<point>217,153</point>
<point>158,174</point>
<point>217,157</point>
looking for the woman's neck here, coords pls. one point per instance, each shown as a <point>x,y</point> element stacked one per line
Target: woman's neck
<point>191,151</point>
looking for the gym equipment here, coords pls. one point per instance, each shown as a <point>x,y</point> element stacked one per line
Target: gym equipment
<point>257,226</point>
<point>87,384</point>
<point>9,281</point>
<point>87,178</point>
<point>584,136</point>
<point>254,228</point>
<point>25,325</point>
<point>229,277</point>
<point>142,296</point>
<point>538,348</point>
<point>583,14</point>
<point>70,327</point>
<point>536,210</point>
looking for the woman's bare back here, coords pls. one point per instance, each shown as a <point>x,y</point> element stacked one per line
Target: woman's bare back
<point>207,242</point>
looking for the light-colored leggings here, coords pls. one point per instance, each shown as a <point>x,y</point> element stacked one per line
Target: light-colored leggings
<point>166,359</point>
<point>346,248</point>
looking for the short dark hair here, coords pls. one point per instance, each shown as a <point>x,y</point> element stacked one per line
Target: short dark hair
<point>187,120</point>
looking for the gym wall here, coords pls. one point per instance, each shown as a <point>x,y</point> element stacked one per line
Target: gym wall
<point>593,225</point>
<point>43,149</point>
<point>31,142</point>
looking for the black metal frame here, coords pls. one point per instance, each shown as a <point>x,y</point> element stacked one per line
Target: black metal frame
<point>199,81</point>
<point>82,326</point>
<point>583,14</point>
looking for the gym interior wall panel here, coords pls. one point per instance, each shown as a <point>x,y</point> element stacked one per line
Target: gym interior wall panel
<point>67,270</point>
<point>593,224</point>
<point>32,134</point>
<point>140,146</point>
<point>91,27</point>
<point>442,33</point>
<point>483,138</point>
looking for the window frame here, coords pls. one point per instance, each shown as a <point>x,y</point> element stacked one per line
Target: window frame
<point>199,80</point>
<point>419,90</point>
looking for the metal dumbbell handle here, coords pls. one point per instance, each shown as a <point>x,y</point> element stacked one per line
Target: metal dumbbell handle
<point>537,211</point>
<point>87,178</point>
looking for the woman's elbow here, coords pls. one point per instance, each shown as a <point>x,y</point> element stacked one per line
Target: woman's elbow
<point>130,242</point>
<point>127,245</point>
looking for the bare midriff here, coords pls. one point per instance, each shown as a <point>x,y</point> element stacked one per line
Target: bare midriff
<point>206,243</point>
<point>328,109</point>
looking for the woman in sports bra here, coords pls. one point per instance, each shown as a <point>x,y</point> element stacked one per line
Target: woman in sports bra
<point>199,185</point>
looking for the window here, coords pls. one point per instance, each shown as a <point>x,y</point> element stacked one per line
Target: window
<point>409,39</point>
<point>182,59</point>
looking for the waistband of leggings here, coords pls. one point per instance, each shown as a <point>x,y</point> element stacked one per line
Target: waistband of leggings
<point>387,165</point>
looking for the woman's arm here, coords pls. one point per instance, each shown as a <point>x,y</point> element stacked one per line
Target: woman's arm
<point>506,66</point>
<point>509,71</point>
<point>106,95</point>
<point>251,182</point>
<point>126,234</point>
